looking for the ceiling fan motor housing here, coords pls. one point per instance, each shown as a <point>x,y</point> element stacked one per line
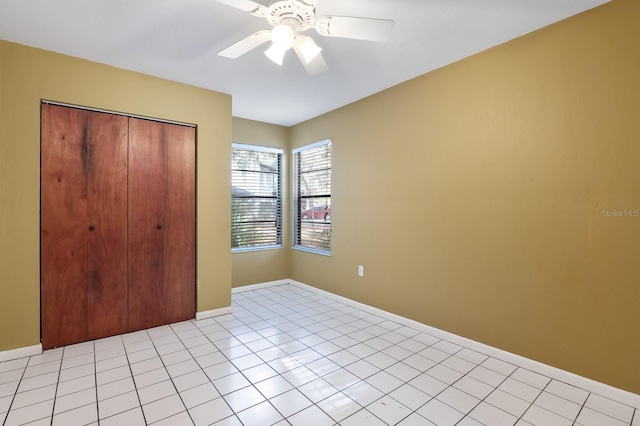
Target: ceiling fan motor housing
<point>286,11</point>
<point>298,4</point>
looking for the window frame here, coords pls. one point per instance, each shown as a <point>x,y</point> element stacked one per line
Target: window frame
<point>295,200</point>
<point>280,201</point>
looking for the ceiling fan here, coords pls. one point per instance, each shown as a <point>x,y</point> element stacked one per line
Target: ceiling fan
<point>290,19</point>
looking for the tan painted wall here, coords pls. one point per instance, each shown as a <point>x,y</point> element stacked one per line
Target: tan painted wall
<point>474,197</point>
<point>28,75</point>
<point>264,265</point>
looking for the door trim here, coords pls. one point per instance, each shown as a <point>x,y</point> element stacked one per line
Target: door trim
<point>107,111</point>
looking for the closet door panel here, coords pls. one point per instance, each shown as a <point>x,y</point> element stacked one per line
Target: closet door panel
<point>179,236</point>
<point>146,224</point>
<point>107,220</point>
<point>63,226</point>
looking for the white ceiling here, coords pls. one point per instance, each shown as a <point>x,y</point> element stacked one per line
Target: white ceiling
<point>179,40</point>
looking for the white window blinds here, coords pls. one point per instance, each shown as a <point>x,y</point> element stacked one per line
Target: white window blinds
<point>312,193</point>
<point>256,197</point>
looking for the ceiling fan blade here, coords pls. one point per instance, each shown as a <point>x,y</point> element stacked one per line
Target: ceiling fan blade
<point>246,44</point>
<point>317,64</point>
<point>304,4</point>
<point>247,6</point>
<point>357,28</point>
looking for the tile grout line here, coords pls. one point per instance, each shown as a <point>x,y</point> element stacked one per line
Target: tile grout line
<point>95,380</point>
<point>575,422</point>
<point>15,393</point>
<point>55,394</point>
<point>135,386</point>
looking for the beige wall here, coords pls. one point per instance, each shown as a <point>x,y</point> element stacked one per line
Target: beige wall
<point>28,75</point>
<point>264,265</point>
<point>474,197</point>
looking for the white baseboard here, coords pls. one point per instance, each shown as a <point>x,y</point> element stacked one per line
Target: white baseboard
<point>20,352</point>
<point>590,385</point>
<point>213,313</point>
<point>258,286</point>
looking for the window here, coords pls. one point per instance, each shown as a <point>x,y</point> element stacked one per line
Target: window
<point>312,197</point>
<point>256,197</point>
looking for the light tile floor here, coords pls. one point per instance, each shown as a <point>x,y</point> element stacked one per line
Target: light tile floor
<point>288,356</point>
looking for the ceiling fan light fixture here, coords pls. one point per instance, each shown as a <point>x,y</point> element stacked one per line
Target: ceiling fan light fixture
<point>308,47</point>
<point>276,53</point>
<point>283,36</point>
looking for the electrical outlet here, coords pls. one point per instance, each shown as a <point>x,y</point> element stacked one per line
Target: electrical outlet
<point>361,270</point>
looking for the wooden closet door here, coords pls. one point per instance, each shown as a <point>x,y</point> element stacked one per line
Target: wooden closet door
<point>179,219</point>
<point>146,224</point>
<point>63,227</point>
<point>83,225</point>
<point>107,136</point>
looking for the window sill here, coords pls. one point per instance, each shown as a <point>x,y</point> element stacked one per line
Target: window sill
<point>250,249</point>
<point>312,250</point>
